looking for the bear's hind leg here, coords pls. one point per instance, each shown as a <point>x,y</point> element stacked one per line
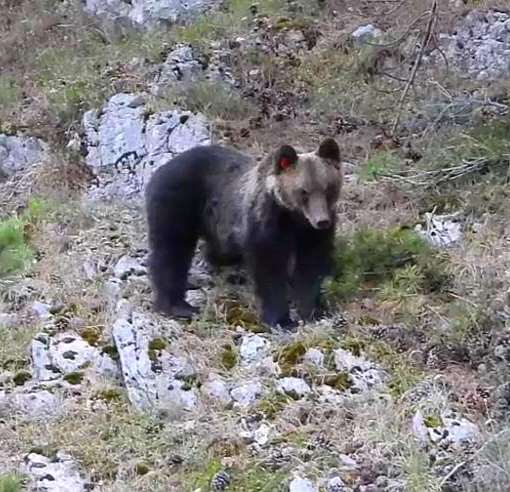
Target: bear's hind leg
<point>169,265</point>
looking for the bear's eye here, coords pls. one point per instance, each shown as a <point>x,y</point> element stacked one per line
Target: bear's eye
<point>303,194</point>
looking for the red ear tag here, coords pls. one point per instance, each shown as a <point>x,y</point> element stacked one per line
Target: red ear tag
<point>285,163</point>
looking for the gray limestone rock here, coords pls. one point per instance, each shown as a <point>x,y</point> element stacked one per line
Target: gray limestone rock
<point>247,394</point>
<point>478,46</point>
<point>54,357</point>
<point>145,14</point>
<point>125,145</point>
<point>57,474</point>
<point>156,380</point>
<point>18,153</point>
<point>30,403</point>
<point>294,387</point>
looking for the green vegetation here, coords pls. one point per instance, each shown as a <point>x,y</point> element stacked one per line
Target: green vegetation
<point>21,377</point>
<point>11,483</point>
<point>372,257</point>
<point>15,234</point>
<point>155,347</point>
<point>228,357</point>
<point>212,98</point>
<point>13,349</point>
<point>74,378</point>
<point>10,91</point>
<point>258,479</point>
<point>380,163</point>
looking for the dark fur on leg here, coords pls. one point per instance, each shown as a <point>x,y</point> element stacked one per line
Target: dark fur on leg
<point>313,263</point>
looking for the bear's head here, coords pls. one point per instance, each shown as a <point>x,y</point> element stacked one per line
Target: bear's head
<point>308,183</point>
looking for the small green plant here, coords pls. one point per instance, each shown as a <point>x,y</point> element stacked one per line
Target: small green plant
<point>15,233</point>
<point>202,479</point>
<point>21,377</point>
<point>10,92</point>
<point>11,483</point>
<point>228,357</point>
<point>214,99</point>
<point>258,479</point>
<point>74,378</point>
<point>371,257</point>
<point>378,164</point>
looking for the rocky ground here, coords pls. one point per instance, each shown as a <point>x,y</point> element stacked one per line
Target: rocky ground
<point>404,387</point>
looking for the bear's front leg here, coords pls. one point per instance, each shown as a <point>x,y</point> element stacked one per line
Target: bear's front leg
<point>268,264</point>
<point>313,263</point>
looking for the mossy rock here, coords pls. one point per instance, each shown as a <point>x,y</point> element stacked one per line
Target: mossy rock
<point>273,404</point>
<point>432,421</point>
<point>142,469</point>
<point>110,395</point>
<point>238,315</point>
<point>74,378</point>
<point>155,347</point>
<point>291,354</point>
<point>228,357</point>
<point>341,381</point>
<point>111,351</point>
<point>91,335</point>
<point>21,377</point>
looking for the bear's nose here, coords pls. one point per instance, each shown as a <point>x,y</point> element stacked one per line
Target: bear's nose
<point>323,224</point>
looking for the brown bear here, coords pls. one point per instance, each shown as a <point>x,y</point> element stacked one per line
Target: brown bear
<point>276,217</point>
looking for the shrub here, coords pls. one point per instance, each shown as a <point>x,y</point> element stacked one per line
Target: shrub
<point>15,252</point>
<point>372,257</point>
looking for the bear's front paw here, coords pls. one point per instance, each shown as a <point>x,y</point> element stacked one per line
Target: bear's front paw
<point>283,322</point>
<point>181,310</point>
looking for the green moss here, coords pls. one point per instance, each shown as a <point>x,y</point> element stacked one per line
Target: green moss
<point>353,345</point>
<point>403,374</point>
<point>142,469</point>
<point>341,381</point>
<point>272,404</point>
<point>228,357</point>
<point>238,315</point>
<point>110,395</point>
<point>291,354</point>
<point>189,382</point>
<point>155,347</point>
<point>21,377</point>
<point>74,378</point>
<point>111,350</point>
<point>91,335</point>
<point>432,421</point>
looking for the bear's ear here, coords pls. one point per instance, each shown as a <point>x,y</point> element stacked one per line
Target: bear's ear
<point>328,149</point>
<point>285,158</point>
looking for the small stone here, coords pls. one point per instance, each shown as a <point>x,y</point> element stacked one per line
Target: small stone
<point>41,309</point>
<point>58,474</point>
<point>366,33</point>
<point>253,348</point>
<point>247,394</point>
<point>128,266</point>
<point>336,484</point>
<point>302,485</point>
<point>315,357</point>
<point>262,434</point>
<point>216,389</point>
<point>294,387</point>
